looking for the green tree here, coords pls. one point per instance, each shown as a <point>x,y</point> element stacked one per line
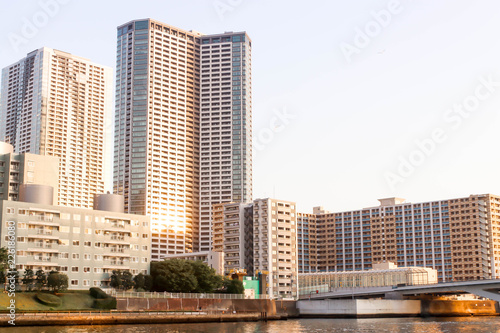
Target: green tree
<point>174,275</point>
<point>232,286</point>
<point>57,281</point>
<point>41,279</point>
<point>116,279</point>
<point>127,281</point>
<point>28,279</point>
<point>148,282</point>
<point>139,281</point>
<point>207,278</point>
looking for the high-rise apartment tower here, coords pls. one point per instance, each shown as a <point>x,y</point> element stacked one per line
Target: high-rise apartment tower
<point>182,129</point>
<point>54,103</point>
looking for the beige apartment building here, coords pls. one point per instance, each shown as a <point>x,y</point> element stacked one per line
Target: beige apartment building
<point>460,238</point>
<point>232,232</point>
<point>55,103</point>
<point>19,169</point>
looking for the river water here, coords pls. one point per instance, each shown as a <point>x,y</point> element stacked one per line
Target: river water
<point>383,325</point>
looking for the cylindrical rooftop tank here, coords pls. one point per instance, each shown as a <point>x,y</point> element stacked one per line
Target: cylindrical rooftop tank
<point>38,194</point>
<point>6,148</point>
<point>109,202</point>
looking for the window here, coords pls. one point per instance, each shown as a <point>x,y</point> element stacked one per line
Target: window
<point>74,269</point>
<point>76,256</point>
<point>63,268</point>
<point>21,225</point>
<point>97,283</point>
<point>97,270</point>
<point>144,260</point>
<point>86,269</point>
<point>64,229</point>
<point>87,256</point>
<point>144,247</point>
<point>63,255</point>
<point>76,243</point>
<point>74,282</point>
<point>86,283</point>
<point>9,210</point>
<point>88,231</point>
<point>87,243</point>
<point>98,257</point>
<point>76,230</point>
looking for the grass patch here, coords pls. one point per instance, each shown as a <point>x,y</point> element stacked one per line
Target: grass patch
<point>28,301</point>
<point>48,299</point>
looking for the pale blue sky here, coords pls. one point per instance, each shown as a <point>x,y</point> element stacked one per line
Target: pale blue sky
<point>353,120</point>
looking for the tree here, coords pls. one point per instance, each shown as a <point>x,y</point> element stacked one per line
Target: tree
<point>233,286</point>
<point>57,281</point>
<point>139,281</point>
<point>116,279</point>
<point>127,281</point>
<point>121,280</point>
<point>148,282</point>
<point>28,279</point>
<point>41,279</point>
<point>207,278</point>
<point>174,275</point>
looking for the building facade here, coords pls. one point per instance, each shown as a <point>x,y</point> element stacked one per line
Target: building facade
<point>225,125</point>
<point>183,116</point>
<point>213,259</point>
<point>311,283</point>
<point>87,245</point>
<point>54,103</point>
<point>275,245</point>
<point>233,235</point>
<point>19,169</point>
<point>460,238</point>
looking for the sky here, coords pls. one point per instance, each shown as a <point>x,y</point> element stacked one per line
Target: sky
<point>353,101</point>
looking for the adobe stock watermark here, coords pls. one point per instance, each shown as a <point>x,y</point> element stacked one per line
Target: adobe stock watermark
<point>453,116</point>
<point>31,26</point>
<point>277,123</point>
<point>363,36</point>
<point>222,7</point>
<point>11,271</point>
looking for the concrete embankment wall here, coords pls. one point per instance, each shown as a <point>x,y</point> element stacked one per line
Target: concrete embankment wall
<point>396,308</point>
<point>271,307</point>
<point>359,308</point>
<point>435,308</point>
<point>48,319</point>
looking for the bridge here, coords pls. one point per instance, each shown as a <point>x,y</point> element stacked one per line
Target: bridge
<point>484,288</point>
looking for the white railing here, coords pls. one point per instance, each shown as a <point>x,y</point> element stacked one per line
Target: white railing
<point>134,294</point>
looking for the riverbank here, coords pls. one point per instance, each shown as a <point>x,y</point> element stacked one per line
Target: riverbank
<point>118,318</point>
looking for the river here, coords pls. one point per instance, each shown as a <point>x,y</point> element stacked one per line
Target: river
<point>384,325</point>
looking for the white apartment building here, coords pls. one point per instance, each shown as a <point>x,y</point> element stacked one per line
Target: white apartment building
<point>87,245</point>
<point>54,103</point>
<point>213,259</point>
<point>275,245</point>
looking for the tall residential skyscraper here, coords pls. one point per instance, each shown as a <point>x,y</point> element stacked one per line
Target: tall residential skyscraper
<point>226,125</point>
<point>160,125</point>
<point>54,103</point>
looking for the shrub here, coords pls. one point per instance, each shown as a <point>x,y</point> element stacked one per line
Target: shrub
<point>48,299</point>
<point>98,293</point>
<point>105,304</point>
